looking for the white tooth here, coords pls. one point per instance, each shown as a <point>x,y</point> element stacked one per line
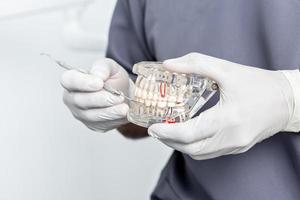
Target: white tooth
<point>145,90</point>
<point>153,103</point>
<point>140,100</point>
<point>139,96</point>
<point>154,99</point>
<point>155,94</point>
<point>162,102</point>
<point>180,98</point>
<point>140,86</point>
<point>180,94</point>
<point>142,83</point>
<point>138,92</point>
<point>171,96</point>
<point>143,87</point>
<point>151,89</point>
<point>148,110</point>
<point>135,91</point>
<point>136,108</point>
<point>142,110</point>
<point>150,96</point>
<point>138,80</point>
<point>137,87</point>
<point>148,102</point>
<point>171,101</point>
<point>144,94</point>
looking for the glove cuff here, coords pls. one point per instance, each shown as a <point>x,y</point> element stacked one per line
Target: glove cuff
<point>293,76</point>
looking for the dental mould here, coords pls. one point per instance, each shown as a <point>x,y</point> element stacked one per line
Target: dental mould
<point>166,97</point>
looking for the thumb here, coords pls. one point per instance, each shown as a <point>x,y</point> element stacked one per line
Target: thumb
<point>112,74</point>
<point>105,68</point>
<point>196,63</point>
<point>198,128</point>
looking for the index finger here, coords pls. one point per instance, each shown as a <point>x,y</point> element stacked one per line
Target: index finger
<point>73,80</point>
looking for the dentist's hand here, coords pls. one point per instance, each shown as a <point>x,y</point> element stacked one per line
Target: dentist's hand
<point>254,105</point>
<point>84,95</point>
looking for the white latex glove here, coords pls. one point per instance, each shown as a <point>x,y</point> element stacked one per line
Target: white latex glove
<point>254,105</point>
<point>84,95</point>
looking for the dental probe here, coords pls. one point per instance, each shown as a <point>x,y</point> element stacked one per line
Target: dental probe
<point>69,67</point>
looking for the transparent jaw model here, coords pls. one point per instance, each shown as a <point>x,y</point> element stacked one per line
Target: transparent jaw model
<point>165,97</point>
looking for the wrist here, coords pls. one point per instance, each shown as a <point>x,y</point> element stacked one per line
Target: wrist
<point>293,77</point>
<point>133,131</point>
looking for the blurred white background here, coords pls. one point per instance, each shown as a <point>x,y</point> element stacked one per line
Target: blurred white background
<point>45,154</point>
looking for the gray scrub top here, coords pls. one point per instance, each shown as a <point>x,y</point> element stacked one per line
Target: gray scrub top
<point>260,33</point>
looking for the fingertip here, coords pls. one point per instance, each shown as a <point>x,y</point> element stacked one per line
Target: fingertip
<point>180,59</point>
<point>95,83</point>
<point>73,80</point>
<point>152,132</point>
<point>112,99</point>
<point>158,130</point>
<point>170,62</point>
<point>104,68</point>
<point>175,65</point>
<point>196,63</point>
<point>121,109</point>
<point>151,129</point>
<point>66,78</point>
<point>124,108</point>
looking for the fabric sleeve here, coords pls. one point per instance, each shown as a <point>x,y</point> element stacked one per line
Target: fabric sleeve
<point>293,77</point>
<point>127,43</point>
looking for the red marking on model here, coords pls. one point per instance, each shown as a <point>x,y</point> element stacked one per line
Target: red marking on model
<point>162,89</point>
<point>169,120</point>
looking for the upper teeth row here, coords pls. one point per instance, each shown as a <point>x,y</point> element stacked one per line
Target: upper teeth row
<point>152,93</point>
